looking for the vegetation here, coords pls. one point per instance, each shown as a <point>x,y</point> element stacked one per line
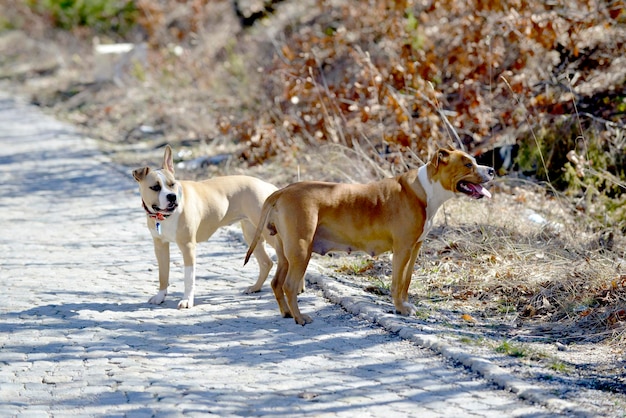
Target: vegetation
<point>381,84</point>
<point>102,16</point>
<point>511,350</point>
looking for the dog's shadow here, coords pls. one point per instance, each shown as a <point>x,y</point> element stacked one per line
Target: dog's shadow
<point>68,311</point>
<point>157,329</point>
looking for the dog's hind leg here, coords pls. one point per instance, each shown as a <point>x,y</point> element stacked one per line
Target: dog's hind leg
<point>292,286</point>
<point>298,256</point>
<point>264,261</point>
<point>279,280</point>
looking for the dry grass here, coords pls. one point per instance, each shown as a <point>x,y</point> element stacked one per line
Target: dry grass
<point>544,272</point>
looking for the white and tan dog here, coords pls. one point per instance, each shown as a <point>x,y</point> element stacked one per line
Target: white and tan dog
<point>393,214</point>
<point>188,212</point>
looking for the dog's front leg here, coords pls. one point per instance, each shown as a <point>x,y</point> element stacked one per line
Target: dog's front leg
<point>408,274</point>
<point>162,252</point>
<point>189,258</point>
<point>403,262</point>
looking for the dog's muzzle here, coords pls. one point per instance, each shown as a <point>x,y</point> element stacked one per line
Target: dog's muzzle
<point>473,190</point>
<point>477,190</point>
<point>171,202</point>
<point>171,205</point>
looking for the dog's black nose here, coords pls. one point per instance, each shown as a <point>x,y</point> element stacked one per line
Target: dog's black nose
<point>171,197</point>
<point>491,172</point>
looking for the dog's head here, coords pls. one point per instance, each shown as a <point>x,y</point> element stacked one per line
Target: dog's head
<point>459,173</point>
<point>159,189</point>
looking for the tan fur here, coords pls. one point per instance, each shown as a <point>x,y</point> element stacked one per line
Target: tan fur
<point>389,215</point>
<point>202,208</point>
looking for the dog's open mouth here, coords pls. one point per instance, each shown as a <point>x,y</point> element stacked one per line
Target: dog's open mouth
<point>473,190</point>
<point>169,209</point>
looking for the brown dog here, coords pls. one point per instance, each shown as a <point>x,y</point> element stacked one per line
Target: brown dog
<point>188,212</point>
<point>392,214</point>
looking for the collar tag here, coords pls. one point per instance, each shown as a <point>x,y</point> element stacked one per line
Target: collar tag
<point>158,227</point>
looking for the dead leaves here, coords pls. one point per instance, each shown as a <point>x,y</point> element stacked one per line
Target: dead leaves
<point>468,318</point>
<point>363,71</point>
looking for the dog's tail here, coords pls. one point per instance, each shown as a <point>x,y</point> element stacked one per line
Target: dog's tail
<point>268,206</point>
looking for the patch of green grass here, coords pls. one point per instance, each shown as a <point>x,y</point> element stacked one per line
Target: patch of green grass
<point>479,341</point>
<point>506,307</point>
<point>235,62</point>
<point>512,350</point>
<point>138,71</point>
<point>422,314</point>
<point>415,36</point>
<point>6,24</point>
<point>559,366</point>
<point>379,282</point>
<point>117,16</point>
<point>519,351</point>
<point>356,266</point>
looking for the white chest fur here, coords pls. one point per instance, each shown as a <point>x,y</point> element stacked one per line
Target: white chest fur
<point>436,195</point>
<point>165,230</point>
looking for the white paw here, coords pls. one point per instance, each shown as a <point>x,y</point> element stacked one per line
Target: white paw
<point>252,289</point>
<point>185,303</point>
<point>407,309</point>
<point>158,298</point>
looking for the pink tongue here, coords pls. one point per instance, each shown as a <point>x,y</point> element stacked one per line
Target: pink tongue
<point>480,190</point>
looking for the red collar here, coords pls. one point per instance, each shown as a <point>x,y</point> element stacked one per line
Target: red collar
<point>154,215</point>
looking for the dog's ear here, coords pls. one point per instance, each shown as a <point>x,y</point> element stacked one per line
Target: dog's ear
<point>141,173</point>
<point>168,161</point>
<point>443,156</point>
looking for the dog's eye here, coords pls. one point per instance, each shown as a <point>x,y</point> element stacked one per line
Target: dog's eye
<point>171,185</point>
<point>156,187</point>
<point>469,165</point>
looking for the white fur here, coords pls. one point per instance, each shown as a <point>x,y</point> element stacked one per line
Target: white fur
<point>168,227</point>
<point>158,298</point>
<point>190,287</point>
<point>163,202</point>
<point>436,195</point>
